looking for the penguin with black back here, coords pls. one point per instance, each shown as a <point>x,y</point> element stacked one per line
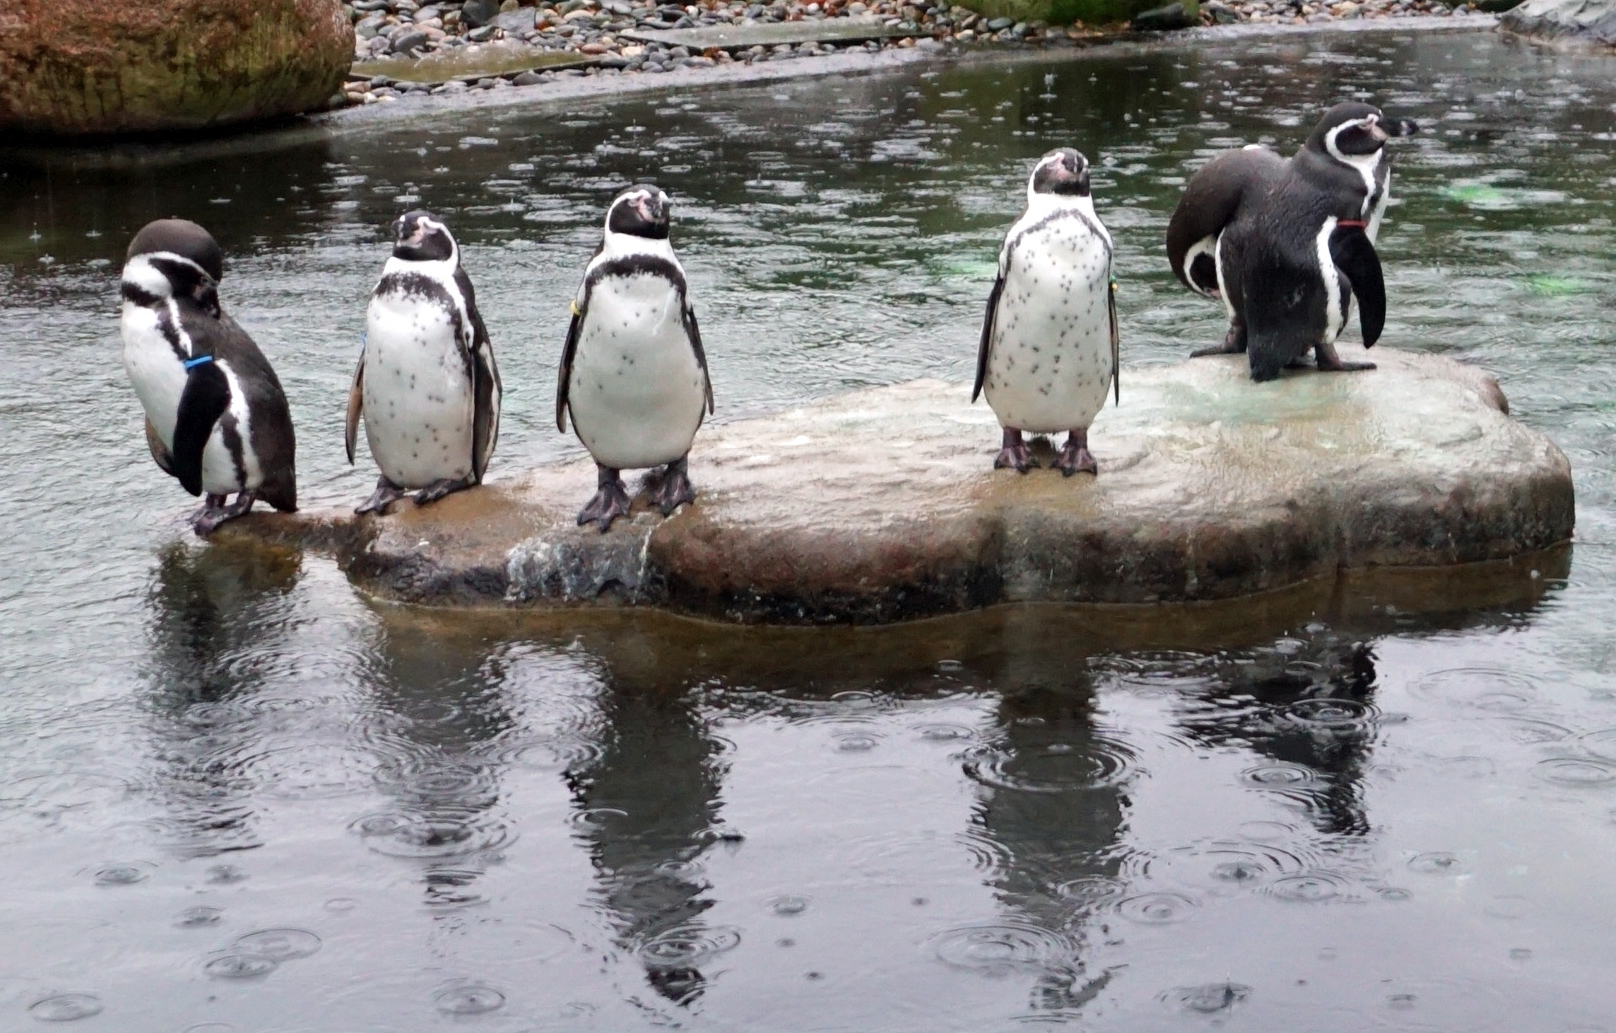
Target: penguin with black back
<point>1293,242</point>
<point>426,387</point>
<point>1049,348</point>
<point>216,417</point>
<point>633,371</point>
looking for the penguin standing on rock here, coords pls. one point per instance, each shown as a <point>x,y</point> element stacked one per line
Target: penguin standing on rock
<point>633,373</point>
<point>216,417</point>
<point>1293,242</point>
<point>1049,348</point>
<point>426,385</point>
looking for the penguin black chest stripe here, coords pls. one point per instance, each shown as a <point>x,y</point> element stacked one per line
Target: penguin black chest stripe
<point>632,265</point>
<point>1057,216</point>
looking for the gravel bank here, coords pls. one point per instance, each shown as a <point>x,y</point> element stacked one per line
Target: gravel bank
<point>457,45</point>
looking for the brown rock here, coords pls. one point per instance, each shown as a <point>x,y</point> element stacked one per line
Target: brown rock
<point>71,67</point>
<point>882,505</point>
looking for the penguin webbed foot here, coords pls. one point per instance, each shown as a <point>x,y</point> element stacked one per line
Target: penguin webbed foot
<point>1330,362</point>
<point>444,486</point>
<point>1075,456</point>
<point>610,502</point>
<point>1014,455</point>
<point>214,512</point>
<point>672,488</point>
<point>1234,342</point>
<point>385,495</point>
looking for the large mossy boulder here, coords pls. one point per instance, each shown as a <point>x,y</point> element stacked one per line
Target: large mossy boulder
<point>1586,21</point>
<point>884,505</point>
<point>77,67</point>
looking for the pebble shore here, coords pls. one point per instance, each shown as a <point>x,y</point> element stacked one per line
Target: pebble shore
<point>587,34</point>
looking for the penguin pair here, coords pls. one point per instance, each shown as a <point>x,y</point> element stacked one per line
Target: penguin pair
<point>1288,245</point>
<point>633,372</point>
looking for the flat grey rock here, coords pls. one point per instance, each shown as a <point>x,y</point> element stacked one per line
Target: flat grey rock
<point>769,34</point>
<point>470,63</point>
<point>1589,21</point>
<point>882,505</point>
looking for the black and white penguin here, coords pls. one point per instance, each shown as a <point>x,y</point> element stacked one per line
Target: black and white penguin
<point>633,372</point>
<point>1294,241</point>
<point>1049,348</point>
<point>426,385</point>
<point>216,417</point>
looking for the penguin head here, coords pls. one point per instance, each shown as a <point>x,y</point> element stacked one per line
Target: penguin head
<point>640,211</point>
<point>420,237</point>
<point>1064,172</point>
<point>174,258</point>
<point>1354,130</point>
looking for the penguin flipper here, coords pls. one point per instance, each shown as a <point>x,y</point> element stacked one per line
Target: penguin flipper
<point>205,398</point>
<point>568,351</point>
<point>986,344</point>
<point>356,405</point>
<point>1116,340</point>
<point>693,332</point>
<point>486,394</point>
<point>1212,199</point>
<point>159,451</point>
<point>1354,255</point>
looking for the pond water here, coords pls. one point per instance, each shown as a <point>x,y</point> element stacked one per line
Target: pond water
<point>236,795</point>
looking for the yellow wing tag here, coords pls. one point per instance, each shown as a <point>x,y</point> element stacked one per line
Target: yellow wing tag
<point>575,309</point>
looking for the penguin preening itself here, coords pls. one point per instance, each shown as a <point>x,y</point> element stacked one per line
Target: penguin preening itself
<point>1288,245</point>
<point>426,385</point>
<point>216,417</point>
<point>1049,348</point>
<point>633,373</point>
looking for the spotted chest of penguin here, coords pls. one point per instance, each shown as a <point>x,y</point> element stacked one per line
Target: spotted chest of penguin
<point>1048,356</point>
<point>637,385</point>
<point>419,396</point>
<point>160,331</point>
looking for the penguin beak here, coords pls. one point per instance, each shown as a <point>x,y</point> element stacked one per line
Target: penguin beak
<point>1377,132</point>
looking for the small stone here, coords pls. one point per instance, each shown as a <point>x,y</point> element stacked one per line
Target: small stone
<point>1162,19</point>
<point>478,13</point>
<point>409,42</point>
<point>999,24</point>
<point>482,34</point>
<point>592,49</point>
<point>515,22</point>
<point>526,79</point>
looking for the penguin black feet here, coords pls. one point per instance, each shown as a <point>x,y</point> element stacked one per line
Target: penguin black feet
<point>1234,342</point>
<point>1329,361</point>
<point>1076,457</point>
<point>214,512</point>
<point>610,501</point>
<point>673,488</point>
<point>385,495</point>
<point>438,489</point>
<point>1015,454</point>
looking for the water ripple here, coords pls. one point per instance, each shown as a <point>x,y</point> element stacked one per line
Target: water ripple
<point>437,833</point>
<point>687,946</point>
<point>1055,768</point>
<point>1162,907</point>
<point>1313,887</point>
<point>1485,688</point>
<point>1001,947</point>
<point>1208,999</point>
<point>467,999</point>
<point>67,1006</point>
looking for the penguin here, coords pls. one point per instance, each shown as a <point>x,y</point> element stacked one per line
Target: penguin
<point>1049,348</point>
<point>633,372</point>
<point>216,417</point>
<point>1294,240</point>
<point>426,386</point>
<point>1212,199</point>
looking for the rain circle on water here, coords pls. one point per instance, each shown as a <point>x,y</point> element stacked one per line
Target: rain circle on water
<point>194,917</point>
<point>65,1007</point>
<point>1000,947</point>
<point>240,966</point>
<point>1309,887</point>
<point>1160,908</point>
<point>1436,862</point>
<point>1209,999</point>
<point>468,999</point>
<point>278,944</point>
<point>686,946</point>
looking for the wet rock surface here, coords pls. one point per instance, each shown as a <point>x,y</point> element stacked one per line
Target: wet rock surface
<point>882,505</point>
<point>1586,21</point>
<point>77,67</point>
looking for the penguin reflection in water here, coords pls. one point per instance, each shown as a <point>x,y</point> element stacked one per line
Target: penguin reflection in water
<point>426,385</point>
<point>633,373</point>
<point>216,417</point>
<point>1288,245</point>
<point>1049,349</point>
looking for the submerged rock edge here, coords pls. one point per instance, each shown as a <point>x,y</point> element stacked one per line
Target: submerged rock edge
<point>769,545</point>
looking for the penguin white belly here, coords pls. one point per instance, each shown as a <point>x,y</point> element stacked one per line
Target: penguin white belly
<point>1049,367</point>
<point>159,378</point>
<point>637,392</point>
<point>418,403</point>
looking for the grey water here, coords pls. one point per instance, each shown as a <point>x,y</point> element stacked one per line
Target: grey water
<point>238,795</point>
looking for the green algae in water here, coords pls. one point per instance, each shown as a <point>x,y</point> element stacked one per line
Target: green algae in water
<point>1550,286</point>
